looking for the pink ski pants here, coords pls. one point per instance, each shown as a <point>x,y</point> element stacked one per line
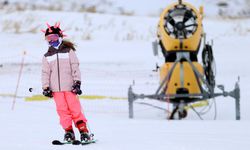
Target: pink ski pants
<point>68,108</point>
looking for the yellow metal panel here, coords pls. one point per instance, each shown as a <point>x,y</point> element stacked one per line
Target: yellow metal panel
<point>190,81</point>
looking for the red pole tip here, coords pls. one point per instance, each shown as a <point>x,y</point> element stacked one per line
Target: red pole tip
<point>47,24</point>
<point>57,25</point>
<point>49,27</point>
<point>43,30</point>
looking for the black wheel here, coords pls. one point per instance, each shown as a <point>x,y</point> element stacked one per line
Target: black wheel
<point>208,60</point>
<point>183,114</point>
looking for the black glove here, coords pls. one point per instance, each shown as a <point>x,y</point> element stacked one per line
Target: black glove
<point>76,88</point>
<point>47,92</point>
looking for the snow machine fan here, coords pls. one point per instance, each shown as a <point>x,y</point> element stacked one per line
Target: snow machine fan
<point>180,22</point>
<point>180,28</point>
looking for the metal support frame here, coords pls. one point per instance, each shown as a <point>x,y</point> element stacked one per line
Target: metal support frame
<point>206,93</point>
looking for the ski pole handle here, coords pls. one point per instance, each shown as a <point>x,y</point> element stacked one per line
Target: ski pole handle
<point>30,89</point>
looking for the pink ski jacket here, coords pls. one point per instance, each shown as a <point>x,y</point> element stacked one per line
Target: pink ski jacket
<point>60,68</point>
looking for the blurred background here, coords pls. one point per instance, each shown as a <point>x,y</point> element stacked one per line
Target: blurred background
<point>113,39</point>
<point>106,32</point>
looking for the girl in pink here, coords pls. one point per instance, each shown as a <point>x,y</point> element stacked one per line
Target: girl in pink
<point>61,79</point>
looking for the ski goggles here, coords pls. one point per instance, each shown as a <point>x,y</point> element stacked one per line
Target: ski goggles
<point>52,37</point>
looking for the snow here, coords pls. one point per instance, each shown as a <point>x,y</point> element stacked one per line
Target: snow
<point>234,8</point>
<point>35,124</point>
<point>118,54</point>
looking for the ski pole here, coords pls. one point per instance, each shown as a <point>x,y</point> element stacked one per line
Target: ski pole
<point>18,80</point>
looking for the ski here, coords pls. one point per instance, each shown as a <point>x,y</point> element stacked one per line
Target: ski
<point>57,142</point>
<point>88,142</point>
<point>75,142</point>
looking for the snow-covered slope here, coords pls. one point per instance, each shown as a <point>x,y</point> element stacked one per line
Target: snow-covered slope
<point>35,125</point>
<point>115,50</point>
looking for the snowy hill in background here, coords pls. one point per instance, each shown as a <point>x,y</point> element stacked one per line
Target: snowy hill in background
<point>113,40</point>
<point>226,8</point>
<point>94,25</point>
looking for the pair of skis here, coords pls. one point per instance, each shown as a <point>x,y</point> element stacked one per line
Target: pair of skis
<point>75,142</point>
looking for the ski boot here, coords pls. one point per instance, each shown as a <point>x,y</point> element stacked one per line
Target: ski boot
<point>85,136</point>
<point>81,125</point>
<point>69,136</point>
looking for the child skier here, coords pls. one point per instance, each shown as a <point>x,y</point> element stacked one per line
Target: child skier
<point>61,79</point>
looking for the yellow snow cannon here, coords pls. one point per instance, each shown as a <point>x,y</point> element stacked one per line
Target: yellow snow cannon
<point>180,32</point>
<point>184,82</point>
